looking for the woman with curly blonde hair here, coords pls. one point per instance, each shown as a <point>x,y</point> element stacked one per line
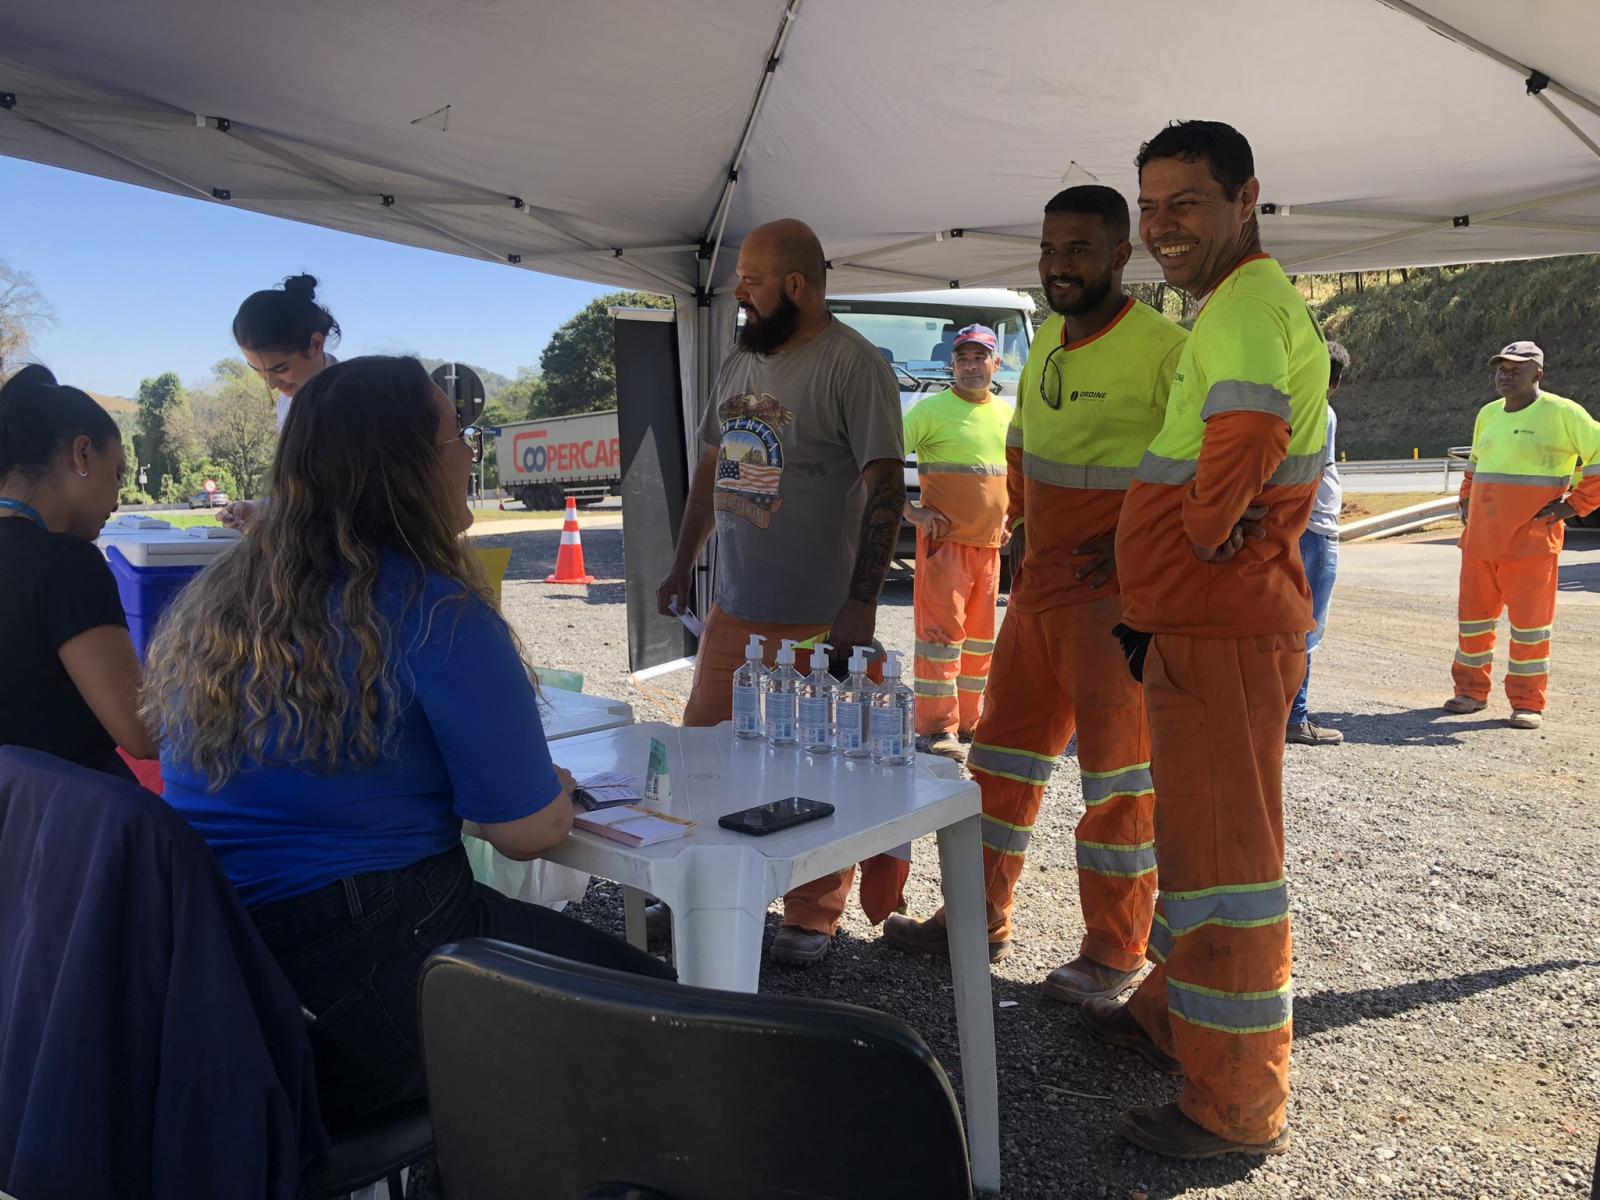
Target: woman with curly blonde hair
<point>335,696</point>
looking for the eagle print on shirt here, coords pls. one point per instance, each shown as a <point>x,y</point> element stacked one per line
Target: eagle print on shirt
<point>750,458</point>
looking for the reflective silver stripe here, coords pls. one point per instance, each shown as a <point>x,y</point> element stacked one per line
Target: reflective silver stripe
<point>1591,470</point>
<point>1160,943</point>
<point>1531,637</point>
<point>1234,395</point>
<point>1475,660</point>
<point>1153,468</point>
<point>959,469</point>
<point>938,651</point>
<point>1529,666</point>
<point>1474,628</point>
<point>970,683</point>
<point>1010,764</point>
<point>1471,467</point>
<point>1298,468</point>
<point>1013,438</point>
<point>977,646</point>
<point>1077,475</point>
<point>1243,904</point>
<point>1231,1012</point>
<point>1559,481</point>
<point>1135,781</point>
<point>1125,862</point>
<point>934,687</point>
<point>1005,838</point>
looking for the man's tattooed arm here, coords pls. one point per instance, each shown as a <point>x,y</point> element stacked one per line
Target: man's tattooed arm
<point>880,527</point>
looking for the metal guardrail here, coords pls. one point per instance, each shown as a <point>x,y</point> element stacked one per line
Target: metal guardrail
<point>1401,520</point>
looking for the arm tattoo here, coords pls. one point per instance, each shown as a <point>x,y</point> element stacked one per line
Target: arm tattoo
<point>880,526</point>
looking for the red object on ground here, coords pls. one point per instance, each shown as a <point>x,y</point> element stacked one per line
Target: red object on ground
<point>146,770</point>
<point>569,559</point>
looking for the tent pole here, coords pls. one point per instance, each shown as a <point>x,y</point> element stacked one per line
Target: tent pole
<point>1488,51</point>
<point>719,214</point>
<point>1462,221</point>
<point>62,129</point>
<point>1572,127</point>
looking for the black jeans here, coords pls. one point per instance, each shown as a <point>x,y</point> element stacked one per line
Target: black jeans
<point>353,951</point>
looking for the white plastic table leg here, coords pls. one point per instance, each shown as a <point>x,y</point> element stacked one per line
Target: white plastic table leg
<point>633,917</point>
<point>961,876</point>
<point>719,909</point>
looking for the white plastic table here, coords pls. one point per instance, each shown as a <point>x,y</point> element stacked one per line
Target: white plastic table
<point>569,714</point>
<point>565,715</point>
<point>719,883</point>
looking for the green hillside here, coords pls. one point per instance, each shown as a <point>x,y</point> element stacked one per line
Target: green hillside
<point>1419,349</point>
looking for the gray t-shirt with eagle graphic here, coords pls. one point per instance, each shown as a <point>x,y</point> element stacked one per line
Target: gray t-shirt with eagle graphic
<point>794,431</point>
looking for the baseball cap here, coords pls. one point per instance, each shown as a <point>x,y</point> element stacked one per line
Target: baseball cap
<point>1520,352</point>
<point>981,334</point>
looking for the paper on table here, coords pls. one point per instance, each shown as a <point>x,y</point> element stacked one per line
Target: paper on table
<point>606,789</point>
<point>633,825</point>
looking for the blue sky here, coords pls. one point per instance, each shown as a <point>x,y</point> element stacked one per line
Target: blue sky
<point>143,282</point>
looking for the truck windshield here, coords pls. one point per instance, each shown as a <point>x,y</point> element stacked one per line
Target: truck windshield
<point>917,337</point>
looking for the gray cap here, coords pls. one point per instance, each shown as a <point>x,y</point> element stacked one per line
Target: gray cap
<point>1520,352</point>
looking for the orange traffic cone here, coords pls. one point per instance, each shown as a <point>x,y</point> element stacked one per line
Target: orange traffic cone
<point>569,559</point>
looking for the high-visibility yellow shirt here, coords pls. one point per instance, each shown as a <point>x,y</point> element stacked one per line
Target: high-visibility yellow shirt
<point>1247,423</point>
<point>1520,462</point>
<point>961,462</point>
<point>1086,410</point>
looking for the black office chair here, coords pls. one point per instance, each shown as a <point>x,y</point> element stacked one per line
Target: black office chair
<point>554,1079</point>
<point>374,1150</point>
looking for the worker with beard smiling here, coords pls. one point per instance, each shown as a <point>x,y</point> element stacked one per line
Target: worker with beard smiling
<point>802,474</point>
<point>1091,397</point>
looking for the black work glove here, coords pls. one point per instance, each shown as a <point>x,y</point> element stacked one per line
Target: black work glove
<point>1135,645</point>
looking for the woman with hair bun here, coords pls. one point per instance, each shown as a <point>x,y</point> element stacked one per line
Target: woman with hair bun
<point>283,334</point>
<point>69,677</point>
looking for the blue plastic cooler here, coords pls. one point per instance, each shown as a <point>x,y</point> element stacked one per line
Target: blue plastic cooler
<point>152,561</point>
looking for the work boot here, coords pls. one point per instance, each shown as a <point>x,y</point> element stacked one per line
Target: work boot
<point>1309,733</point>
<point>1164,1129</point>
<point>1084,979</point>
<point>796,947</point>
<point>945,745</point>
<point>1464,704</point>
<point>1113,1024</point>
<point>929,937</point>
<point>657,922</point>
<point>1525,718</point>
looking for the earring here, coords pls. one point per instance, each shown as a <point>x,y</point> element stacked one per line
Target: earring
<point>83,474</point>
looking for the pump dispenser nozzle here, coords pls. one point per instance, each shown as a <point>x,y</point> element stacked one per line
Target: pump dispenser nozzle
<point>753,651</point>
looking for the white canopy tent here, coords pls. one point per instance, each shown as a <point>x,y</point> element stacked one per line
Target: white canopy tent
<point>635,143</point>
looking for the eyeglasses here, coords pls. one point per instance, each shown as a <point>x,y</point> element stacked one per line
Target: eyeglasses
<point>1051,398</point>
<point>473,437</point>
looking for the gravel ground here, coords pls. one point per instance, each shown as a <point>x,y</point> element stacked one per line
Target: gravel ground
<point>1446,876</point>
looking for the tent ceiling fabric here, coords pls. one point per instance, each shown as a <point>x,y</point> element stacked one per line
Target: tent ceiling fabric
<point>613,122</point>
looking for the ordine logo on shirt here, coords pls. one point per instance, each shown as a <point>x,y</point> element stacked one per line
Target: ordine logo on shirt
<point>1085,395</point>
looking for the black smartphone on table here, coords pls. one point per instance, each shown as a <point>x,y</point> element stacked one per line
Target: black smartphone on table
<point>780,814</point>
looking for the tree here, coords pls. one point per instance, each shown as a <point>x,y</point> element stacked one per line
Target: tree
<point>525,397</point>
<point>579,367</point>
<point>164,431</point>
<point>24,312</point>
<point>235,421</point>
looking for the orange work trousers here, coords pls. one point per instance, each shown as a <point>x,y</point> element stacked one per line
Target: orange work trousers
<point>1055,671</point>
<point>1218,999</point>
<point>818,905</point>
<point>953,606</point>
<point>1525,589</point>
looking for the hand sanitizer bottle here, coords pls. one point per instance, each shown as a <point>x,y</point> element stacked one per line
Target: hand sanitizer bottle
<point>748,682</point>
<point>893,718</point>
<point>819,693</point>
<point>855,698</point>
<point>783,694</point>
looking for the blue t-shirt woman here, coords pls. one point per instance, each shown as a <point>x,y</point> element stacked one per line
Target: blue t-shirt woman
<point>335,696</point>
